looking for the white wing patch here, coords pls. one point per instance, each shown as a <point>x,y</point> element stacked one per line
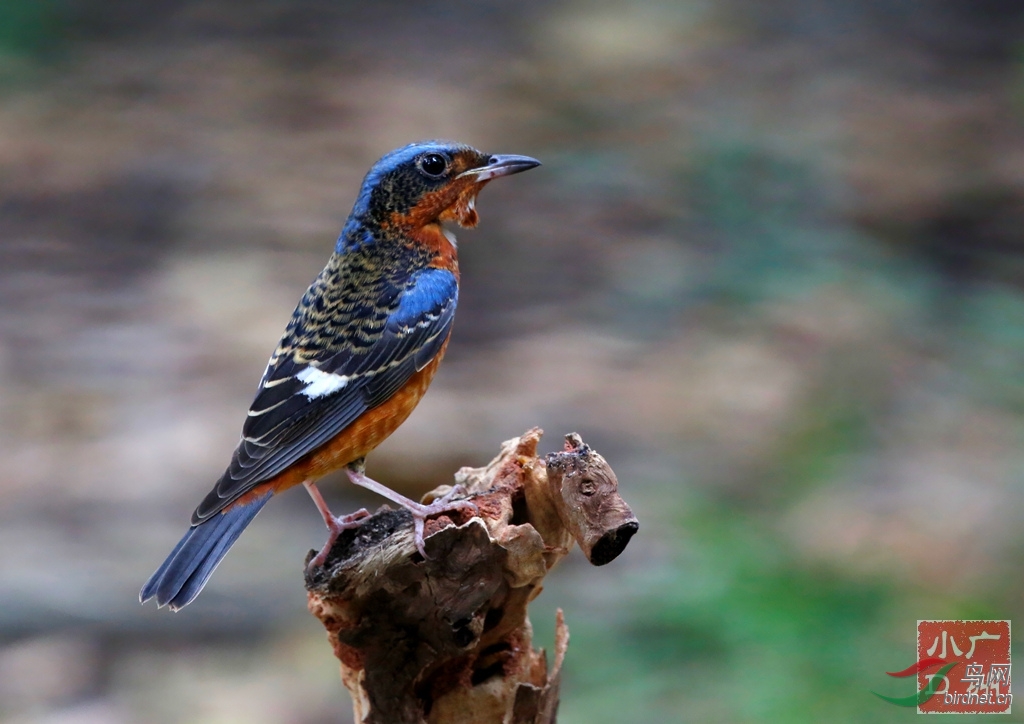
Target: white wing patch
<point>320,383</point>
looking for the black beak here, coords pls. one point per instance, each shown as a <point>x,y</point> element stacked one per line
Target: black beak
<point>498,166</point>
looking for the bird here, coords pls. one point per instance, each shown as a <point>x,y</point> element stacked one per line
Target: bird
<point>359,352</point>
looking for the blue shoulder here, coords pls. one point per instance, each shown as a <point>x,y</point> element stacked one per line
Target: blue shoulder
<point>430,293</point>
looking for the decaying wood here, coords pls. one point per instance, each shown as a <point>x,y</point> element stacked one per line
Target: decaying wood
<point>447,638</point>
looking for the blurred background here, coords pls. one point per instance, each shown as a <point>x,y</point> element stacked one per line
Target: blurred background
<point>772,268</point>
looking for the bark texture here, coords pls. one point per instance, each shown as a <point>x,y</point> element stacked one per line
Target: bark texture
<point>447,638</point>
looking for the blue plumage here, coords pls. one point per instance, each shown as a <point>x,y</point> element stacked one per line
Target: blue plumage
<point>377,315</point>
<point>189,566</point>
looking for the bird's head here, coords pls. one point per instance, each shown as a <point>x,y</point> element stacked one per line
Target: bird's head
<point>431,182</point>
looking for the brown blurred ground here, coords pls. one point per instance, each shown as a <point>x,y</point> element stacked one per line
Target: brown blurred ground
<point>773,261</point>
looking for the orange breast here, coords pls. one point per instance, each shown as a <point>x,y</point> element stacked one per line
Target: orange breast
<point>367,432</point>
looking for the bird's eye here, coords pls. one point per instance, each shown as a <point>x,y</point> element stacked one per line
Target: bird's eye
<point>433,164</point>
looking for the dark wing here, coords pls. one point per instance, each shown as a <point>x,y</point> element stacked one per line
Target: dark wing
<point>302,405</point>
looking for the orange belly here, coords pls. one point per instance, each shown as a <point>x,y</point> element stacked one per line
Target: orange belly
<point>364,434</point>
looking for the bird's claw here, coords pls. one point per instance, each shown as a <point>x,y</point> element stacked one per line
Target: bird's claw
<point>334,528</point>
<point>421,512</point>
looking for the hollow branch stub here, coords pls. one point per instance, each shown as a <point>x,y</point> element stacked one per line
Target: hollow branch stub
<point>447,638</point>
<point>592,509</point>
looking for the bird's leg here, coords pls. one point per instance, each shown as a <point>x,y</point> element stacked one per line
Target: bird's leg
<point>334,523</point>
<point>357,474</point>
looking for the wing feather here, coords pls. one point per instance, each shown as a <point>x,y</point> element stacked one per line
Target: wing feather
<point>287,421</point>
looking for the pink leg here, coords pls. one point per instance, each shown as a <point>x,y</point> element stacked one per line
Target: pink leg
<point>420,512</point>
<point>334,524</point>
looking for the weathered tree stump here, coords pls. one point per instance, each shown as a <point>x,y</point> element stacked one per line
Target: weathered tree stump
<point>447,638</point>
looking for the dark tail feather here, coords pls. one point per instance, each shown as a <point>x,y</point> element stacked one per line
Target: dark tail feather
<point>182,576</point>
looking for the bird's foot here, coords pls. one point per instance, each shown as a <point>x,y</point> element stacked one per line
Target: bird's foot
<point>335,525</point>
<point>420,511</point>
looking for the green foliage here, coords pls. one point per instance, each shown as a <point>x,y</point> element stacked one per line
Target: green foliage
<point>29,28</point>
<point>764,213</point>
<point>733,629</point>
<point>732,626</point>
<point>32,34</point>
